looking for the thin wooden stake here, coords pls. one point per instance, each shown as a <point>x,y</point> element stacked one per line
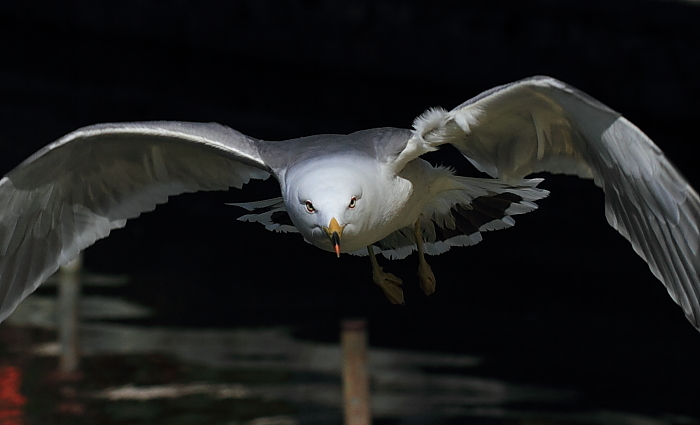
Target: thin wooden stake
<point>68,299</point>
<point>355,373</point>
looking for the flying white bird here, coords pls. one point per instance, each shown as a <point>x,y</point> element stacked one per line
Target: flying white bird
<point>367,192</point>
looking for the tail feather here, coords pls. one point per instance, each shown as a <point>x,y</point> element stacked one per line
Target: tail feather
<point>271,213</point>
<point>459,216</point>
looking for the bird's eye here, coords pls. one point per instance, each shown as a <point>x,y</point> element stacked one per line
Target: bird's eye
<point>309,206</point>
<point>353,202</point>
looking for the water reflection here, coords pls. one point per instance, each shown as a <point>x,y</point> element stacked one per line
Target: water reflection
<point>11,400</point>
<point>135,375</point>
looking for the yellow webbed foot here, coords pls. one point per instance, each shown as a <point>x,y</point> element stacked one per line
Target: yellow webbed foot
<point>426,277</point>
<point>390,284</point>
<point>387,281</point>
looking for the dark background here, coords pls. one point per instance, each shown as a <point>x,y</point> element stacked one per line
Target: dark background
<point>560,299</point>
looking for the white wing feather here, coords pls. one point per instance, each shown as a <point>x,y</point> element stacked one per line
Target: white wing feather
<point>542,124</point>
<point>77,189</point>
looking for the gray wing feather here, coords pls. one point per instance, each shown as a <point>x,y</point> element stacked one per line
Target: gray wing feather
<point>77,189</point>
<point>542,124</point>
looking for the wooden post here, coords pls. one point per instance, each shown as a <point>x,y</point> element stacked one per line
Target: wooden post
<point>355,374</point>
<point>67,311</point>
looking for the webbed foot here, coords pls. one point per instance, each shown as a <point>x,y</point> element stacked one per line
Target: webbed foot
<point>390,284</point>
<point>387,281</point>
<point>426,277</point>
<point>425,273</point>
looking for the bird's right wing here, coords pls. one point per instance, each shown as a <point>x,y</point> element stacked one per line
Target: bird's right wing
<point>75,190</point>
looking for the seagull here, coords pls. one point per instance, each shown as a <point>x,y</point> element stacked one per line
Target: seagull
<point>365,193</point>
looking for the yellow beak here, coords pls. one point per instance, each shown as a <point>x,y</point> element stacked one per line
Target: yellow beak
<point>335,231</point>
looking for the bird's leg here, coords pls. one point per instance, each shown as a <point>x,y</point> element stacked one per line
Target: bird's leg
<point>387,281</point>
<point>425,273</point>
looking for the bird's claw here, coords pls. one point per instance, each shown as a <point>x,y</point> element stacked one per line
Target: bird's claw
<point>426,277</point>
<point>390,285</point>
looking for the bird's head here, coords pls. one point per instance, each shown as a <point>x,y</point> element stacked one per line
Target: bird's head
<point>327,203</point>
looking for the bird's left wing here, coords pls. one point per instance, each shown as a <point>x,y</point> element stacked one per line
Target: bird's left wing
<point>542,124</point>
<point>75,190</point>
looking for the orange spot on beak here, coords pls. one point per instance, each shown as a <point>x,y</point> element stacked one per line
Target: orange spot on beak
<point>336,246</point>
<point>335,231</point>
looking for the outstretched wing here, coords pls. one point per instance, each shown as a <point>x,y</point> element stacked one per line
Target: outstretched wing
<point>542,124</point>
<point>78,188</point>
